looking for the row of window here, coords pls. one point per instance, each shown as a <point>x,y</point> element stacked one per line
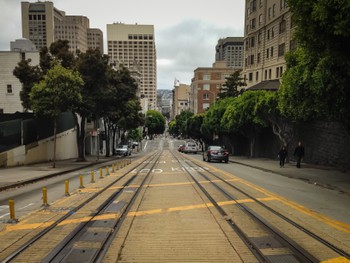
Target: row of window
<point>250,60</point>
<point>37,17</point>
<point>271,11</point>
<point>141,37</point>
<point>250,42</point>
<point>267,74</point>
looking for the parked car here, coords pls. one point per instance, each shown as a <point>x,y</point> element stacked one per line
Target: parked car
<point>190,147</point>
<point>124,150</point>
<point>181,148</point>
<point>216,153</point>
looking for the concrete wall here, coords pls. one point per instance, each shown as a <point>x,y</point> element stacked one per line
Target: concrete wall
<point>326,143</point>
<point>42,151</point>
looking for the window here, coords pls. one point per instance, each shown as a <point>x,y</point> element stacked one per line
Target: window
<point>281,71</point>
<point>9,88</point>
<point>260,20</point>
<point>267,53</point>
<point>250,76</point>
<point>205,96</point>
<point>206,86</point>
<point>205,106</point>
<point>281,49</point>
<point>1,111</point>
<point>292,45</point>
<point>274,10</point>
<point>206,77</point>
<point>277,72</point>
<point>272,32</point>
<point>270,13</point>
<point>271,52</point>
<point>270,73</point>
<point>257,76</point>
<point>259,38</point>
<point>258,58</point>
<point>282,26</point>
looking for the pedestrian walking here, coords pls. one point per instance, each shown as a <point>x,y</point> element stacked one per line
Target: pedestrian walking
<point>282,155</point>
<point>299,153</point>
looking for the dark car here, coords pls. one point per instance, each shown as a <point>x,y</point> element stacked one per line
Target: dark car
<point>181,148</point>
<point>215,153</point>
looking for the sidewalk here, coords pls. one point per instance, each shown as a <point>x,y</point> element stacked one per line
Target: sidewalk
<point>326,177</point>
<point>15,176</point>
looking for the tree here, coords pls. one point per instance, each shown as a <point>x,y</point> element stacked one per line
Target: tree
<point>240,116</point>
<point>28,75</point>
<point>232,85</point>
<point>58,92</point>
<point>155,123</point>
<point>181,123</point>
<point>315,84</point>
<point>212,127</point>
<point>93,67</point>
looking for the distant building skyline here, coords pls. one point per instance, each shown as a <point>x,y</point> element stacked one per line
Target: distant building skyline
<point>230,50</point>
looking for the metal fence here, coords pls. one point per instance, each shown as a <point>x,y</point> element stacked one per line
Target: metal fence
<point>17,132</point>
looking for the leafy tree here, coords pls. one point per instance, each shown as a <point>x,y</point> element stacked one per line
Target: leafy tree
<point>58,92</point>
<point>181,123</point>
<point>315,84</point>
<point>155,123</point>
<point>240,116</point>
<point>212,126</point>
<point>232,85</point>
<point>172,128</point>
<point>93,67</point>
<point>28,75</point>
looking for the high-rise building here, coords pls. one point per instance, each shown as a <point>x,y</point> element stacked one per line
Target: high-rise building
<point>95,39</point>
<point>43,24</point>
<point>267,37</point>
<point>181,99</point>
<point>38,22</point>
<point>230,50</point>
<point>75,30</point>
<point>206,85</point>
<point>129,44</point>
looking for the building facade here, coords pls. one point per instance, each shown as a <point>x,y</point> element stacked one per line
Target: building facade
<point>206,85</point>
<point>130,44</point>
<point>267,37</point>
<point>43,24</point>
<point>10,86</point>
<point>230,50</point>
<point>181,99</point>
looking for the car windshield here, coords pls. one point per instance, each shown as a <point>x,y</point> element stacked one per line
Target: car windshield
<point>191,145</point>
<point>215,148</point>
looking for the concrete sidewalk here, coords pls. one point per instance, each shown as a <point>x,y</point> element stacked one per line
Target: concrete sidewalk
<point>326,177</point>
<point>14,176</point>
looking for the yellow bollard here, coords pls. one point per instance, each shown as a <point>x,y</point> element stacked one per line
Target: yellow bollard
<point>45,204</point>
<point>117,165</point>
<point>107,170</point>
<point>113,168</point>
<point>66,192</point>
<point>101,175</point>
<point>81,182</point>
<point>92,177</point>
<point>12,212</point>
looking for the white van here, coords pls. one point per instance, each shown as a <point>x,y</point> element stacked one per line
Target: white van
<point>190,147</point>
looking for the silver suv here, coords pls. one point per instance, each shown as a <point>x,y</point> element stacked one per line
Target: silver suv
<point>190,147</point>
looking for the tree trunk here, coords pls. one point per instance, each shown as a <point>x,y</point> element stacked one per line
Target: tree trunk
<point>54,141</point>
<point>107,138</point>
<point>252,146</point>
<point>81,138</point>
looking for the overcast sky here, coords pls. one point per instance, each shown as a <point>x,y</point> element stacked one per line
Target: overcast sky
<point>186,31</point>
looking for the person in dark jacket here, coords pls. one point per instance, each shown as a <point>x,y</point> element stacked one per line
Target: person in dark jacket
<point>299,153</point>
<point>282,155</point>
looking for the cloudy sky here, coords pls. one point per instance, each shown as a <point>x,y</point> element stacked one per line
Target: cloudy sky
<point>186,31</point>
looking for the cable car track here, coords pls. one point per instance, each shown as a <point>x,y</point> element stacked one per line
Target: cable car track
<point>299,253</point>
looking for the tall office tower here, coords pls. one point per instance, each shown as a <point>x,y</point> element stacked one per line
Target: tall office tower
<point>95,39</point>
<point>75,30</point>
<point>38,22</point>
<point>131,44</point>
<point>43,24</point>
<point>230,50</point>
<point>267,36</point>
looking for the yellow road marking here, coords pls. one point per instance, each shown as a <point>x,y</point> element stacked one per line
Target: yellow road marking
<point>337,260</point>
